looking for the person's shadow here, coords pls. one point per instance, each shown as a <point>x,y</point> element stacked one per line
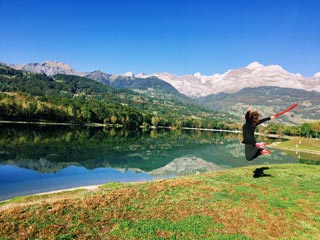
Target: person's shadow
<point>259,172</point>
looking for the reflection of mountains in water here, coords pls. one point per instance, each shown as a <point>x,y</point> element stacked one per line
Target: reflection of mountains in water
<point>40,165</point>
<point>50,149</point>
<point>186,165</point>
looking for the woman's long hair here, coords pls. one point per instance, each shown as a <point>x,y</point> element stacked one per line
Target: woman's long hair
<point>255,117</point>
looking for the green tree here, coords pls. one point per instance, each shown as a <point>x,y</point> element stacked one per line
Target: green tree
<point>315,128</point>
<point>305,129</point>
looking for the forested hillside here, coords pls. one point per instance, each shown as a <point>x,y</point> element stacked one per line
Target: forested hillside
<point>65,98</point>
<point>151,86</point>
<point>268,101</point>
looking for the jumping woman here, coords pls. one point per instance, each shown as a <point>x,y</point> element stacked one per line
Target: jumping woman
<point>252,148</point>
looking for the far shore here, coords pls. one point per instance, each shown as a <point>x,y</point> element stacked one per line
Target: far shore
<point>54,123</point>
<point>108,125</point>
<point>120,126</point>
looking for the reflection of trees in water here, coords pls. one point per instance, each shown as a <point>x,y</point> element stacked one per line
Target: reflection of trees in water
<point>305,157</point>
<point>51,148</point>
<point>309,161</point>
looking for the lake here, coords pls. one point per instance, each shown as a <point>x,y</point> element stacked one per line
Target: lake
<point>36,158</point>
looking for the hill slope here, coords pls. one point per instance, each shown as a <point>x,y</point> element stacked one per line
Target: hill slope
<point>151,86</point>
<point>267,100</point>
<point>65,98</point>
<point>281,203</point>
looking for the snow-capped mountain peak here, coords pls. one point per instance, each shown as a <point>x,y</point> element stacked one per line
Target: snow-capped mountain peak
<point>317,75</point>
<point>254,66</point>
<point>142,75</point>
<point>253,75</point>
<point>197,75</point>
<point>128,74</point>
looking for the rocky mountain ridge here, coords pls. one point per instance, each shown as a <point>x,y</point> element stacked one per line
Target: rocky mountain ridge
<point>253,75</point>
<point>49,68</point>
<point>197,85</point>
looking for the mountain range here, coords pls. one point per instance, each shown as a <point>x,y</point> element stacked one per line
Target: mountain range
<point>196,85</point>
<point>253,75</point>
<point>268,88</point>
<point>49,68</point>
<point>151,85</point>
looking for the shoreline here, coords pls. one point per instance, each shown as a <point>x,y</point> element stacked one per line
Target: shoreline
<point>88,187</point>
<point>53,123</point>
<point>296,150</point>
<point>95,187</point>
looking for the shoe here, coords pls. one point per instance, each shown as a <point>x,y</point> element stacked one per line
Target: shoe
<point>261,145</point>
<point>265,151</point>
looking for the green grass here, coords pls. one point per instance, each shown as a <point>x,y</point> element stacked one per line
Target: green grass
<point>302,143</point>
<point>306,149</point>
<point>229,204</point>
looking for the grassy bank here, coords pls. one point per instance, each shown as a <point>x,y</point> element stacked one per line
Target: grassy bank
<point>302,144</point>
<point>283,203</point>
<point>306,149</point>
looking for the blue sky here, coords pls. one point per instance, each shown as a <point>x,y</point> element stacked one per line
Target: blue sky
<point>176,36</point>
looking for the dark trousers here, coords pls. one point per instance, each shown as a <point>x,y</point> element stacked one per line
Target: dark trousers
<point>251,152</point>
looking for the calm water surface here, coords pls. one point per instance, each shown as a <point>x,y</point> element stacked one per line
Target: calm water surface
<point>36,159</point>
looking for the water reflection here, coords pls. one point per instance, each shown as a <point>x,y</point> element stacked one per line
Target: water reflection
<point>305,157</point>
<point>49,149</point>
<point>42,158</point>
<point>186,165</point>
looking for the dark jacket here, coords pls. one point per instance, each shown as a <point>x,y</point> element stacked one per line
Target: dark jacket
<point>248,129</point>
